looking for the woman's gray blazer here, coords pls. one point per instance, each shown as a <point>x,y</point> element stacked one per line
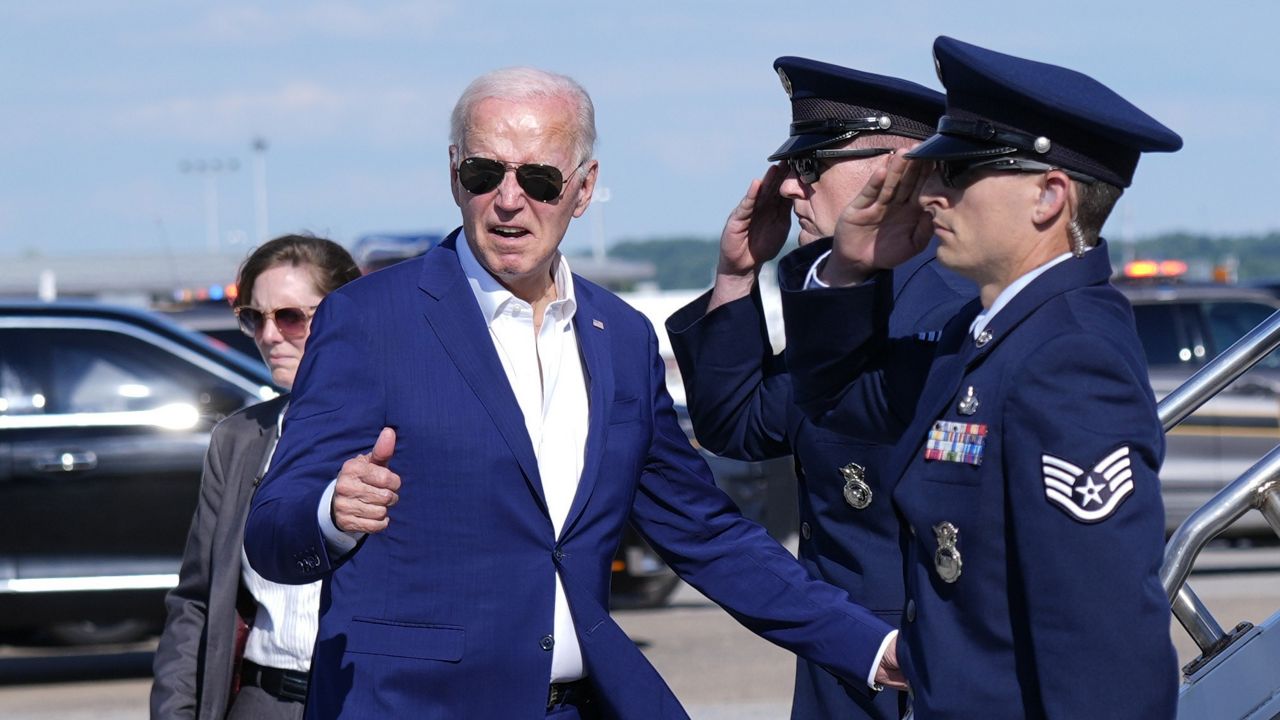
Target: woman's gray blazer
<point>194,660</point>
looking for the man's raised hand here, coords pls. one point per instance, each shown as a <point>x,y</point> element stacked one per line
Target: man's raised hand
<point>757,228</point>
<point>366,488</point>
<point>883,226</point>
<point>753,235</point>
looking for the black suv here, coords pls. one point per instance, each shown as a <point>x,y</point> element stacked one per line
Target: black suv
<point>105,415</point>
<point>1182,327</point>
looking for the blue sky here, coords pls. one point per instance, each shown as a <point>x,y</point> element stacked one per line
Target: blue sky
<point>103,100</point>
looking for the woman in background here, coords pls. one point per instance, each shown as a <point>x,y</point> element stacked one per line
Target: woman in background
<point>196,673</point>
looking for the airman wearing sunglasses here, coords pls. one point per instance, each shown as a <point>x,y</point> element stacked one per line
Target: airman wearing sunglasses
<point>1027,478</point>
<point>846,125</point>
<point>518,420</point>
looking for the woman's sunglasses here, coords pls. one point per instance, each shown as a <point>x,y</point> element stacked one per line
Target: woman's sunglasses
<point>543,183</point>
<point>292,322</point>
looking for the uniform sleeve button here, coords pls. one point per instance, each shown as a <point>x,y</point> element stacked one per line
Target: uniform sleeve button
<point>547,642</point>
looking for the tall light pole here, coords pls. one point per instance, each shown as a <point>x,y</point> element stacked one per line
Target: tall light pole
<point>259,146</point>
<point>598,199</point>
<point>209,170</point>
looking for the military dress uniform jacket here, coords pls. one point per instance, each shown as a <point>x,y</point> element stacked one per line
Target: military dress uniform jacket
<point>448,613</point>
<point>741,405</point>
<point>1027,482</point>
<point>195,658</point>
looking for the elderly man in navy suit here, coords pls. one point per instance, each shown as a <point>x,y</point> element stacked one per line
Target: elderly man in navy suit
<point>518,420</point>
<point>1027,478</point>
<point>845,126</point>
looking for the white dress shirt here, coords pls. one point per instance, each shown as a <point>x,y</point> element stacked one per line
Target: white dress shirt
<point>811,279</point>
<point>545,372</point>
<point>546,376</point>
<point>284,627</point>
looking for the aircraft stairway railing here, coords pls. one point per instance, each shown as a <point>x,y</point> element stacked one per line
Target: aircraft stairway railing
<point>1237,674</point>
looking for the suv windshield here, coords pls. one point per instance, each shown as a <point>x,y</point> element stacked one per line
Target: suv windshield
<point>1227,322</point>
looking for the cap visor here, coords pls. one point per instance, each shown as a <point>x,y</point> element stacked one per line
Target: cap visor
<point>951,147</point>
<point>800,144</point>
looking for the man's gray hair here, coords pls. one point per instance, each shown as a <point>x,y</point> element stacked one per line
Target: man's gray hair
<point>525,83</point>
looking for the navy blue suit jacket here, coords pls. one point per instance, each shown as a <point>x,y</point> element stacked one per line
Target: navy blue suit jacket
<point>1027,597</point>
<point>742,406</point>
<point>444,614</point>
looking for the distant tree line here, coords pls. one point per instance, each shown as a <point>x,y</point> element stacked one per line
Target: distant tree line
<point>687,262</point>
<point>681,263</point>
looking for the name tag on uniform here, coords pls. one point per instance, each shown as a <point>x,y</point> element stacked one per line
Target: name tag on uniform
<point>956,442</point>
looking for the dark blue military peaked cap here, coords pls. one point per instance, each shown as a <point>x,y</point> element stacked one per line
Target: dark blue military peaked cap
<point>999,104</point>
<point>831,105</point>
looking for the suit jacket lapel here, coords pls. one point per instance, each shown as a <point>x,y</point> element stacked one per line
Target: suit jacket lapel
<point>596,347</point>
<point>451,310</point>
<point>257,460</point>
<point>251,459</point>
<point>941,385</point>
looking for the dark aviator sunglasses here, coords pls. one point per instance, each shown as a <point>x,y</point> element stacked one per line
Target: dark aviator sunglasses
<point>543,183</point>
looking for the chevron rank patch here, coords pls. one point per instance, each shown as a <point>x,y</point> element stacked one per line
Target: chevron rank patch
<point>956,442</point>
<point>1089,496</point>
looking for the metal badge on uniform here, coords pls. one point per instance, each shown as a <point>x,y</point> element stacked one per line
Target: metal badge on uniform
<point>856,490</point>
<point>597,324</point>
<point>956,442</point>
<point>786,81</point>
<point>969,403</point>
<point>1088,496</point>
<point>947,559</point>
<point>983,338</point>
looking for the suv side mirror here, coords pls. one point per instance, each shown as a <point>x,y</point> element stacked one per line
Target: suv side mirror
<point>220,401</point>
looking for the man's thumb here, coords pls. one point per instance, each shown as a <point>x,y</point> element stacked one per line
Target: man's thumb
<point>384,447</point>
